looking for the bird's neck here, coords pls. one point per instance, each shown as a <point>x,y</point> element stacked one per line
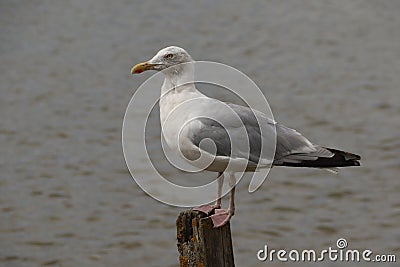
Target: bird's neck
<point>177,88</point>
<point>179,80</point>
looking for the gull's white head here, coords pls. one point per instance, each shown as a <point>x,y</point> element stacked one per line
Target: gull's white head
<point>167,59</point>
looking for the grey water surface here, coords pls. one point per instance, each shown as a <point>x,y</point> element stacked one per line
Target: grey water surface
<point>330,69</point>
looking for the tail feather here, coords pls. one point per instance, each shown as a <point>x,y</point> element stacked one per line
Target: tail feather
<point>337,159</point>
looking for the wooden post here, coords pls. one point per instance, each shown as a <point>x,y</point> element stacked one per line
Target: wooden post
<point>202,245</point>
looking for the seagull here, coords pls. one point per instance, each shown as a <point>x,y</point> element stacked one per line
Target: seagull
<point>203,118</point>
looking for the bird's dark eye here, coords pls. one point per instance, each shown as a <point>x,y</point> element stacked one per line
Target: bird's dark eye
<point>169,56</point>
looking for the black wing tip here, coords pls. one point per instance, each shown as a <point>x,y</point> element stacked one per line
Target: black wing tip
<point>339,159</point>
<point>346,159</point>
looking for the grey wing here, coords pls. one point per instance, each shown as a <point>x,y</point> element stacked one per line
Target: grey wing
<point>292,147</point>
<point>212,129</point>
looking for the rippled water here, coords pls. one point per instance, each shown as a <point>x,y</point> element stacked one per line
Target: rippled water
<point>329,69</point>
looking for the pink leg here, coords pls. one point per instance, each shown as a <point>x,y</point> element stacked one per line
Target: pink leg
<point>220,180</point>
<point>207,209</point>
<point>221,216</point>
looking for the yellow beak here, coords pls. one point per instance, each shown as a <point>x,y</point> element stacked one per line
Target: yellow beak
<point>139,68</point>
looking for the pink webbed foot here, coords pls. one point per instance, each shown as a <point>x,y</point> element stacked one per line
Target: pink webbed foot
<point>221,217</point>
